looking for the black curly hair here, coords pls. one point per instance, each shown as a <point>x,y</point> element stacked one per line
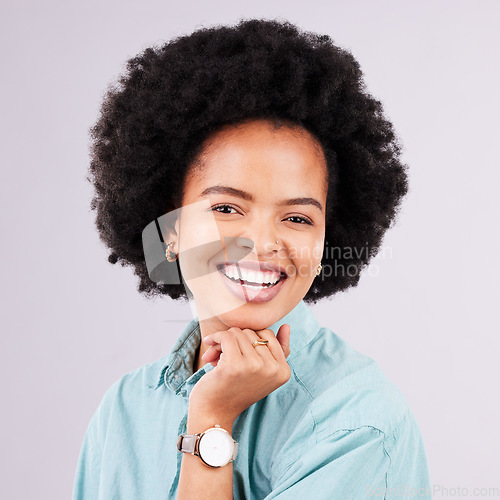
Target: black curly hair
<point>155,120</point>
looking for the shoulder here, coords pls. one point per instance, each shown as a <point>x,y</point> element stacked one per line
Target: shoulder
<point>347,389</point>
<point>142,379</point>
<point>125,394</point>
<point>350,414</point>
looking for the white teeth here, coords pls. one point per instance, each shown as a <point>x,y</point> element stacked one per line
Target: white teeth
<point>237,273</point>
<point>250,276</point>
<point>269,278</point>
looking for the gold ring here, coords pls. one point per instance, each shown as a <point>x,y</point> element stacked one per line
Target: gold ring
<point>260,342</point>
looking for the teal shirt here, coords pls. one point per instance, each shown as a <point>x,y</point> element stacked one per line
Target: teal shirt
<point>338,428</point>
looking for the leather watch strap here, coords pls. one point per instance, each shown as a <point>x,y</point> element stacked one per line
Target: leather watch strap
<point>235,451</point>
<point>187,442</point>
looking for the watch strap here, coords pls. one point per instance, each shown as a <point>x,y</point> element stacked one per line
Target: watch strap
<point>187,442</point>
<point>235,451</point>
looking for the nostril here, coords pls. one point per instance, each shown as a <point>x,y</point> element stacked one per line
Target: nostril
<point>244,242</point>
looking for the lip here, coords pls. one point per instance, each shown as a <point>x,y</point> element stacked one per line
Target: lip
<point>247,294</point>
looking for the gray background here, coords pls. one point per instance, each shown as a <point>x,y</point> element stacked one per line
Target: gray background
<point>72,323</point>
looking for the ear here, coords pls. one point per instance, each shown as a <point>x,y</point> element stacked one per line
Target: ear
<point>155,236</point>
<point>169,228</point>
<point>172,235</point>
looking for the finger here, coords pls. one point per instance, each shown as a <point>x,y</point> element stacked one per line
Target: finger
<point>274,346</point>
<point>283,338</point>
<point>212,353</point>
<point>227,342</point>
<point>246,339</point>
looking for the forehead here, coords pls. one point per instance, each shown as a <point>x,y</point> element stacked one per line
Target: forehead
<point>263,157</point>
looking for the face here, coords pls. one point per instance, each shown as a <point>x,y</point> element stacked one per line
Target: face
<point>251,186</point>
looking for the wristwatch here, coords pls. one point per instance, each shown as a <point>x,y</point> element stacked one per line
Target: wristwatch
<point>215,446</point>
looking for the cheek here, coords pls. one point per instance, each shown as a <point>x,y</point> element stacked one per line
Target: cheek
<point>198,229</point>
<point>317,248</point>
<point>197,237</point>
<point>199,241</point>
<point>309,250</point>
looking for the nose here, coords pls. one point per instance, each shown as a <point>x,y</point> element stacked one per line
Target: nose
<point>260,237</point>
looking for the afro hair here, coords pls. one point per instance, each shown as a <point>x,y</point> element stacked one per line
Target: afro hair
<point>170,99</point>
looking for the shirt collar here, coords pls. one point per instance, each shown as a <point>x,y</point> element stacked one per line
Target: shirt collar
<point>177,372</point>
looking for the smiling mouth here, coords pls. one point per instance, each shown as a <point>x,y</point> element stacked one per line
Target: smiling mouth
<point>267,280</point>
<point>251,283</point>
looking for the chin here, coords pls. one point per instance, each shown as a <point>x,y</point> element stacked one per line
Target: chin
<point>251,318</point>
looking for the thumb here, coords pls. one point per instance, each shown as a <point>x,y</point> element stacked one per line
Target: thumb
<point>283,337</point>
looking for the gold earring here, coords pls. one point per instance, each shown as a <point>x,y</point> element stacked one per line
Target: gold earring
<point>167,253</point>
<point>318,271</point>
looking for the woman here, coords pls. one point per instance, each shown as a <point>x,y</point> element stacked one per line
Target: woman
<point>253,152</point>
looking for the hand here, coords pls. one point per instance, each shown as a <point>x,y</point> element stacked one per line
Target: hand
<point>243,374</point>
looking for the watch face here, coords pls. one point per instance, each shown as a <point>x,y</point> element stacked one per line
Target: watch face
<point>216,447</point>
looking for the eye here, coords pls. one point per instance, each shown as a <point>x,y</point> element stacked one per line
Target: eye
<point>301,220</point>
<point>219,208</point>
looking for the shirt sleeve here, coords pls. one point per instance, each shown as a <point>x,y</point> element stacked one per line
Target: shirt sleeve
<point>88,470</point>
<point>357,464</point>
<point>87,481</point>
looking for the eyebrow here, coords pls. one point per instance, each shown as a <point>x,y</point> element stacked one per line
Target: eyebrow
<point>249,197</point>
